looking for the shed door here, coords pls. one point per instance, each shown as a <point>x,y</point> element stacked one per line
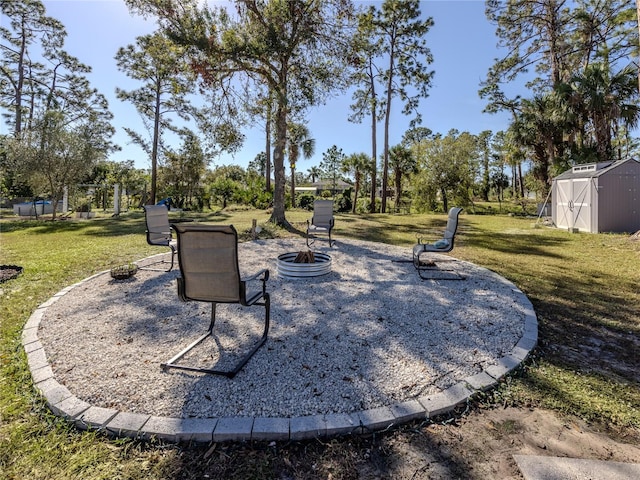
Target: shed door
<point>564,215</point>
<point>582,204</point>
<point>574,204</point>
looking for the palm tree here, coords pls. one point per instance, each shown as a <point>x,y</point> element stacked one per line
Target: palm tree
<point>540,127</point>
<point>606,99</point>
<point>356,164</point>
<point>298,141</point>
<point>314,173</point>
<point>402,162</point>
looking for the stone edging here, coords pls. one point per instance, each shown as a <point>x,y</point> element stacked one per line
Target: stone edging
<point>135,425</point>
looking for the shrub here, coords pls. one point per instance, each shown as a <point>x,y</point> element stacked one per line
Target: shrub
<point>343,201</point>
<point>363,205</point>
<point>306,201</point>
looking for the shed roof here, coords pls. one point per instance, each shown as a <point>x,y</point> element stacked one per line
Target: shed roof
<point>590,170</point>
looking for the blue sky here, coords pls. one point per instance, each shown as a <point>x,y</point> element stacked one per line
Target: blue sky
<point>462,42</point>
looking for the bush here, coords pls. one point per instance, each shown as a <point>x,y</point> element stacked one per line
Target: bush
<point>305,201</point>
<point>263,200</point>
<point>254,197</point>
<point>363,205</point>
<point>343,201</point>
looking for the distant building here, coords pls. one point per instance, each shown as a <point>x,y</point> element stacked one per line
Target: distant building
<point>318,187</point>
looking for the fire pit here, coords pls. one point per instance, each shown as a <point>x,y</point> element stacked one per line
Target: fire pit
<point>303,264</point>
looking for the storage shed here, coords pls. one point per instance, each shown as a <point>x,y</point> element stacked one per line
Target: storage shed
<point>598,197</point>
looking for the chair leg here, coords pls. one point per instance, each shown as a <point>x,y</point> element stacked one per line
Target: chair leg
<point>313,240</point>
<point>441,274</point>
<point>174,252</point>
<point>260,342</point>
<point>171,363</point>
<point>432,267</point>
<point>227,373</point>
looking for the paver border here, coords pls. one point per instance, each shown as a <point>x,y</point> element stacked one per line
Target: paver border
<point>175,430</point>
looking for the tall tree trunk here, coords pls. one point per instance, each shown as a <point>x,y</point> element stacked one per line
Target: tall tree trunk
<point>374,142</point>
<point>278,214</point>
<point>267,167</point>
<point>521,179</point>
<point>387,121</point>
<point>445,200</point>
<point>398,190</point>
<point>293,186</point>
<point>154,150</point>
<point>355,193</point>
<point>485,178</point>
<point>18,125</point>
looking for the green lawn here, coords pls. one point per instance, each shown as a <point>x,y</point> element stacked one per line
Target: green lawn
<point>584,289</point>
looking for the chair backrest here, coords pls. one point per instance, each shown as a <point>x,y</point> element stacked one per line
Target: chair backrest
<point>208,258</point>
<point>322,213</point>
<point>452,224</point>
<point>157,218</point>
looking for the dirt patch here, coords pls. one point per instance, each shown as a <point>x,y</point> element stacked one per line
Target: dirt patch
<point>9,272</point>
<point>478,445</point>
<point>482,444</point>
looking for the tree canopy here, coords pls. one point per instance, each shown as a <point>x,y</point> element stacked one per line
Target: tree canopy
<point>61,125</point>
<point>294,47</point>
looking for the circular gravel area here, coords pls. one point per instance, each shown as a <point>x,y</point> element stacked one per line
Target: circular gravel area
<point>368,334</point>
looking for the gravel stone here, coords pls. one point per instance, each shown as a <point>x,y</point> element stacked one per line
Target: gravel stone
<point>370,334</point>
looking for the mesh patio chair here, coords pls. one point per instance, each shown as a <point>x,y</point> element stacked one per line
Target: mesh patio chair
<point>443,245</point>
<point>208,260</point>
<point>158,229</point>
<point>321,222</point>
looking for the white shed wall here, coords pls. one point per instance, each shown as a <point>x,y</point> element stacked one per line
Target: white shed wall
<point>606,201</point>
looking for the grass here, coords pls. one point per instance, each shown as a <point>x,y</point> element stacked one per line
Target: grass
<point>584,289</point>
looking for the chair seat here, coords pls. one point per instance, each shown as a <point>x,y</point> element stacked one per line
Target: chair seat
<point>316,228</point>
<point>429,247</point>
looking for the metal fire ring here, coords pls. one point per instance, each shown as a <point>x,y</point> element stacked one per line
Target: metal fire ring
<point>287,267</point>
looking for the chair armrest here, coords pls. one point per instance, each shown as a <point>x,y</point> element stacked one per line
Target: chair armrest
<point>421,240</point>
<point>161,232</point>
<point>432,233</point>
<point>264,272</point>
<point>249,300</point>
